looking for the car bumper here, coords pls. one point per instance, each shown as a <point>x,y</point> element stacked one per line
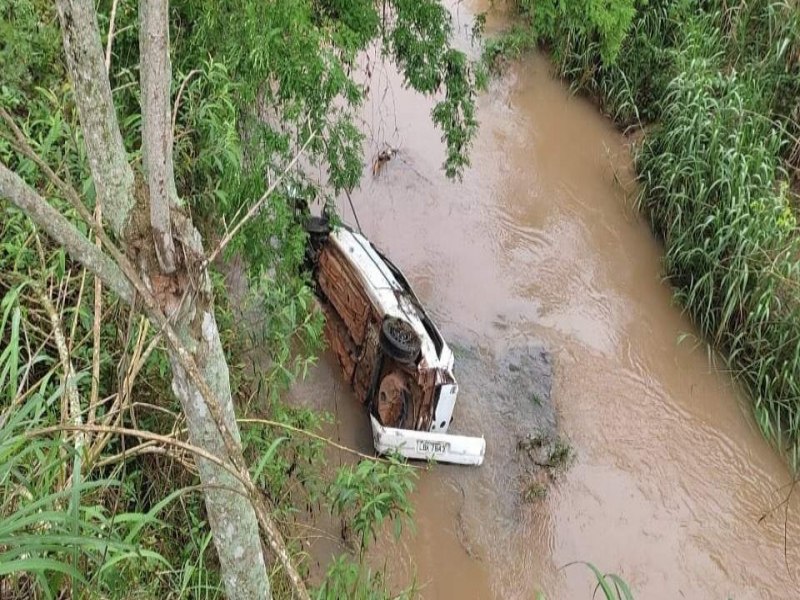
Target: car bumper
<point>425,445</point>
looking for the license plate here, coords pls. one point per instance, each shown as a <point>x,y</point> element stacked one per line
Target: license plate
<point>429,447</point>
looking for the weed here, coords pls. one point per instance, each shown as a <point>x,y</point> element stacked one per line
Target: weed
<point>611,586</point>
<point>535,491</point>
<point>368,493</point>
<point>555,453</point>
<point>561,455</point>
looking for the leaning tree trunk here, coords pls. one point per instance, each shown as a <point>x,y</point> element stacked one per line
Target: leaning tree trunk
<point>184,298</point>
<point>229,509</point>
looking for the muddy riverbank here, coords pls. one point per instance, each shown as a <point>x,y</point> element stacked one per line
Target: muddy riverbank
<point>540,243</point>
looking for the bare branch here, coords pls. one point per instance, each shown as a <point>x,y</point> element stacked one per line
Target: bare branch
<point>113,415</point>
<point>71,397</point>
<point>148,448</point>
<point>145,435</point>
<point>110,38</point>
<point>98,313</point>
<point>98,284</point>
<point>320,438</point>
<point>156,75</point>
<point>62,231</point>
<point>113,177</point>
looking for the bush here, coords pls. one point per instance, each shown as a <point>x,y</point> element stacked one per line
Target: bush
<point>715,190</point>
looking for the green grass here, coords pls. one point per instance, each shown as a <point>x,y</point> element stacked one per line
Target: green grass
<point>534,491</point>
<point>55,528</point>
<point>715,190</point>
<point>561,454</point>
<point>609,585</point>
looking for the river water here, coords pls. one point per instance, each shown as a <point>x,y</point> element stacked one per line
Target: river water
<point>540,242</point>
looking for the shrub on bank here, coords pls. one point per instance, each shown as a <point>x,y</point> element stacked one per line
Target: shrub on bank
<point>715,190</point>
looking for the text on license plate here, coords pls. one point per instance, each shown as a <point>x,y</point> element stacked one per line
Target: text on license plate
<point>432,447</point>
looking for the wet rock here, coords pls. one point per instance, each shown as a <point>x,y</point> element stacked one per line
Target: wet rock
<point>523,379</point>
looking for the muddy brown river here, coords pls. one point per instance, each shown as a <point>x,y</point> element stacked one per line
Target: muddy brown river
<point>540,242</point>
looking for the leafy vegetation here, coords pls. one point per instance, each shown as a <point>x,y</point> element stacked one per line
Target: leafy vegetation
<point>610,585</point>
<point>98,486</point>
<point>716,87</point>
<point>369,493</point>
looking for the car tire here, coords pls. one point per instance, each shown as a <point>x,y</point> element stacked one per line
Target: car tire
<point>318,230</point>
<point>318,226</point>
<point>399,340</point>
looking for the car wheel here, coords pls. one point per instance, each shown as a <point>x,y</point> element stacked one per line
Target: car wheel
<point>399,340</point>
<point>318,229</point>
<point>393,401</point>
<point>318,225</point>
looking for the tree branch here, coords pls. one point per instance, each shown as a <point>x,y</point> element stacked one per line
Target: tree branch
<point>65,233</point>
<point>156,75</point>
<point>110,37</point>
<point>113,177</point>
<point>140,433</point>
<point>98,284</point>
<point>321,438</point>
<point>71,400</point>
<point>256,205</point>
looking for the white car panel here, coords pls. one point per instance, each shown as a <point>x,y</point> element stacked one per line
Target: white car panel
<point>425,445</point>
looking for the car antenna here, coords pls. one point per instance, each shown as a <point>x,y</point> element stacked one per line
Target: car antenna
<point>353,208</point>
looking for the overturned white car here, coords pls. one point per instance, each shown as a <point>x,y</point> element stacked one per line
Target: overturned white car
<point>390,351</point>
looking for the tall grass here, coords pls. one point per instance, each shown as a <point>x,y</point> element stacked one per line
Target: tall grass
<point>715,189</point>
<point>56,531</point>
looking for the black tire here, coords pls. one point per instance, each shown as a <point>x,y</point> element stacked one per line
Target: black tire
<point>399,340</point>
<point>318,226</point>
<point>318,229</point>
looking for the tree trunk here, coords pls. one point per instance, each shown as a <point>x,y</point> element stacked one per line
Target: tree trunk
<point>156,76</point>
<point>113,177</point>
<point>230,512</point>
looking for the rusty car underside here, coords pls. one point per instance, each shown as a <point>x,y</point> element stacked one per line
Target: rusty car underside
<point>389,350</point>
<point>401,394</point>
